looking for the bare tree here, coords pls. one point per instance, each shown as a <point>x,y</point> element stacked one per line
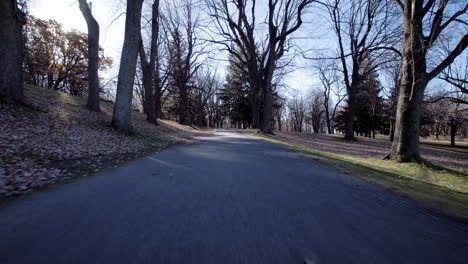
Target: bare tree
<point>121,119</point>
<point>437,112</point>
<point>161,71</point>
<point>316,110</point>
<point>216,114</point>
<point>457,76</point>
<point>148,66</point>
<point>457,115</point>
<point>394,72</point>
<point>259,51</point>
<point>12,20</point>
<point>423,24</point>
<point>447,111</point>
<point>366,30</point>
<point>93,56</point>
<point>278,113</point>
<point>297,112</point>
<point>206,84</point>
<point>331,88</point>
<point>185,49</point>
<point>162,67</point>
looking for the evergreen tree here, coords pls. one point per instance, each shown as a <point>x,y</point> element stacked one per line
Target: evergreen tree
<point>370,105</point>
<point>236,96</point>
<point>369,112</point>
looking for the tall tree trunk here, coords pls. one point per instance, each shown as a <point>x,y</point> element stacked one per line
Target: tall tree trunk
<point>349,117</point>
<point>392,129</point>
<point>157,101</point>
<point>157,86</point>
<point>148,65</point>
<point>453,132</point>
<point>183,107</point>
<point>93,57</point>
<point>328,120</point>
<point>266,124</point>
<point>405,147</point>
<point>256,114</point>
<point>12,21</point>
<point>121,119</point>
<point>149,103</point>
<point>256,105</point>
<point>278,119</point>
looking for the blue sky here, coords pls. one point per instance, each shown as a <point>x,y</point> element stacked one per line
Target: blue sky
<point>109,15</point>
<point>314,34</point>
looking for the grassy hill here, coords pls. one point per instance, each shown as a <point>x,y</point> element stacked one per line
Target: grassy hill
<point>52,138</point>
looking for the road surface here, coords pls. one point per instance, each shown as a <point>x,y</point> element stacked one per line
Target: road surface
<point>228,199</point>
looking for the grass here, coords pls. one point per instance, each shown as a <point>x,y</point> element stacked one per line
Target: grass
<point>440,188</point>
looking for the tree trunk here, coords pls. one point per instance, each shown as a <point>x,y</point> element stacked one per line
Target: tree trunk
<point>183,107</point>
<point>266,124</point>
<point>12,21</point>
<point>405,147</point>
<point>315,128</point>
<point>256,106</point>
<point>157,88</point>
<point>453,132</point>
<point>93,57</point>
<point>121,119</point>
<point>279,123</point>
<point>349,117</point>
<point>148,65</point>
<point>157,100</point>
<point>150,104</point>
<point>328,119</point>
<point>392,129</point>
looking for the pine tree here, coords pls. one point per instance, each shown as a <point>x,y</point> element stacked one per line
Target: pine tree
<point>369,108</point>
<point>236,96</point>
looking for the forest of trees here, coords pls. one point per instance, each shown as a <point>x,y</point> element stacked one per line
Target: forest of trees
<point>373,82</point>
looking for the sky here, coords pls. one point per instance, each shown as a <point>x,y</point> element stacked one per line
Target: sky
<point>111,18</point>
<point>314,34</point>
<point>108,13</point>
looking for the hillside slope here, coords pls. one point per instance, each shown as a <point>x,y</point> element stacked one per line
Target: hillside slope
<point>54,138</point>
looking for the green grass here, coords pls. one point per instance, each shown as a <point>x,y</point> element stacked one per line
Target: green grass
<point>58,96</point>
<point>437,187</point>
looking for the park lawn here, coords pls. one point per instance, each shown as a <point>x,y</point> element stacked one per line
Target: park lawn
<point>437,187</point>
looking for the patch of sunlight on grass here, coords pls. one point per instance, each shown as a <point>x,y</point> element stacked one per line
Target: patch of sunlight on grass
<point>70,99</point>
<point>52,95</point>
<point>441,188</point>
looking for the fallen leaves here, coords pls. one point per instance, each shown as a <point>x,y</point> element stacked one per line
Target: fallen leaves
<point>55,138</point>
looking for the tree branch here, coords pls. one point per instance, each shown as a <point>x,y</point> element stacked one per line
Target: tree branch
<point>459,48</point>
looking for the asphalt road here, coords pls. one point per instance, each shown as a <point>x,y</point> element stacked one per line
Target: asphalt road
<point>228,199</point>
